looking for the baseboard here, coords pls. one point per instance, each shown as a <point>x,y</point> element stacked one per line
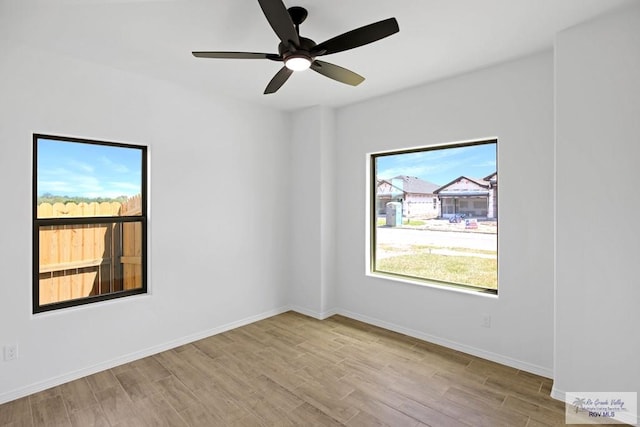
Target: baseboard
<point>315,314</point>
<point>494,357</point>
<point>72,376</point>
<point>558,394</point>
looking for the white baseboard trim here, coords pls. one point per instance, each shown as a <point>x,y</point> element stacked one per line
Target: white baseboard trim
<point>72,376</point>
<point>558,394</point>
<point>494,357</point>
<point>315,314</point>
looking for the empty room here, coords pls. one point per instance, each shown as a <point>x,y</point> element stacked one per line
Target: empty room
<point>319,213</point>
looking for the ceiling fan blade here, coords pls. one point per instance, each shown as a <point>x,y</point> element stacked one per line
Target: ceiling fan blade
<point>358,37</point>
<point>237,55</point>
<point>280,20</point>
<point>278,80</point>
<point>337,73</point>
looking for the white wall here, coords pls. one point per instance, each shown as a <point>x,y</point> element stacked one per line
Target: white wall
<point>597,245</point>
<point>211,267</point>
<point>513,102</point>
<point>313,212</point>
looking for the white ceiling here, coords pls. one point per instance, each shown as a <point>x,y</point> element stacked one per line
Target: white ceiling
<point>437,38</point>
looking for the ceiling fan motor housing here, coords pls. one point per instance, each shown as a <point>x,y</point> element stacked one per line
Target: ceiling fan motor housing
<point>303,50</point>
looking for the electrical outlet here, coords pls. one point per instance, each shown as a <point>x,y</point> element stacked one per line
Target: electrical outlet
<point>10,352</point>
<point>486,321</point>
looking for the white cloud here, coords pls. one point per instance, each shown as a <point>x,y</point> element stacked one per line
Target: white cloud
<point>55,187</point>
<point>115,167</point>
<point>84,167</point>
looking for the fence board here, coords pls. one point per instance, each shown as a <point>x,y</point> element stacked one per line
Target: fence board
<point>47,290</point>
<point>45,210</point>
<point>64,288</point>
<point>88,253</point>
<point>87,209</point>
<point>128,250</point>
<point>76,286</point>
<point>133,206</point>
<point>72,265</point>
<point>45,250</point>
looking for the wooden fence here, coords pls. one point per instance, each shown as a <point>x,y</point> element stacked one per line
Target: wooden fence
<point>81,260</point>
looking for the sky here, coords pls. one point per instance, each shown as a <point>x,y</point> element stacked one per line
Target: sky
<point>440,166</point>
<point>87,170</point>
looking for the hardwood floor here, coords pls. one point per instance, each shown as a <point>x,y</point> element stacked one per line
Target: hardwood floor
<point>294,370</point>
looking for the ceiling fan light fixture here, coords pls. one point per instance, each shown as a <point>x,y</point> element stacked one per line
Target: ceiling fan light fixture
<point>297,62</point>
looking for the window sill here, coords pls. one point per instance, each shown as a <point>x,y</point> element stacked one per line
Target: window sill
<point>92,305</point>
<point>432,284</point>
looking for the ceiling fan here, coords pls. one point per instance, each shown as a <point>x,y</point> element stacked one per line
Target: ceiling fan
<point>299,53</point>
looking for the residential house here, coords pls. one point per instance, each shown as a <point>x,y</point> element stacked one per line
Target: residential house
<point>471,197</point>
<point>416,195</point>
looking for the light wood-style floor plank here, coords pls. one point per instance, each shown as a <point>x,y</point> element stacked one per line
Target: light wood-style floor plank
<point>89,416</point>
<point>292,370</point>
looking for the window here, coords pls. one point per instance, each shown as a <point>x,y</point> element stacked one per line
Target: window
<point>452,242</point>
<point>89,221</point>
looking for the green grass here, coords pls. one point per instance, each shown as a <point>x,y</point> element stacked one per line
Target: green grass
<point>391,248</point>
<point>479,272</point>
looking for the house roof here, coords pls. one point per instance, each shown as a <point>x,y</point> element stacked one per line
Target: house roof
<point>489,177</point>
<point>415,185</point>
<point>480,182</point>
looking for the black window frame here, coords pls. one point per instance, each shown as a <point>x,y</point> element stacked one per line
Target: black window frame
<point>372,215</point>
<point>44,222</point>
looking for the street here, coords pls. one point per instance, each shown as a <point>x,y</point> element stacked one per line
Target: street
<point>405,237</point>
